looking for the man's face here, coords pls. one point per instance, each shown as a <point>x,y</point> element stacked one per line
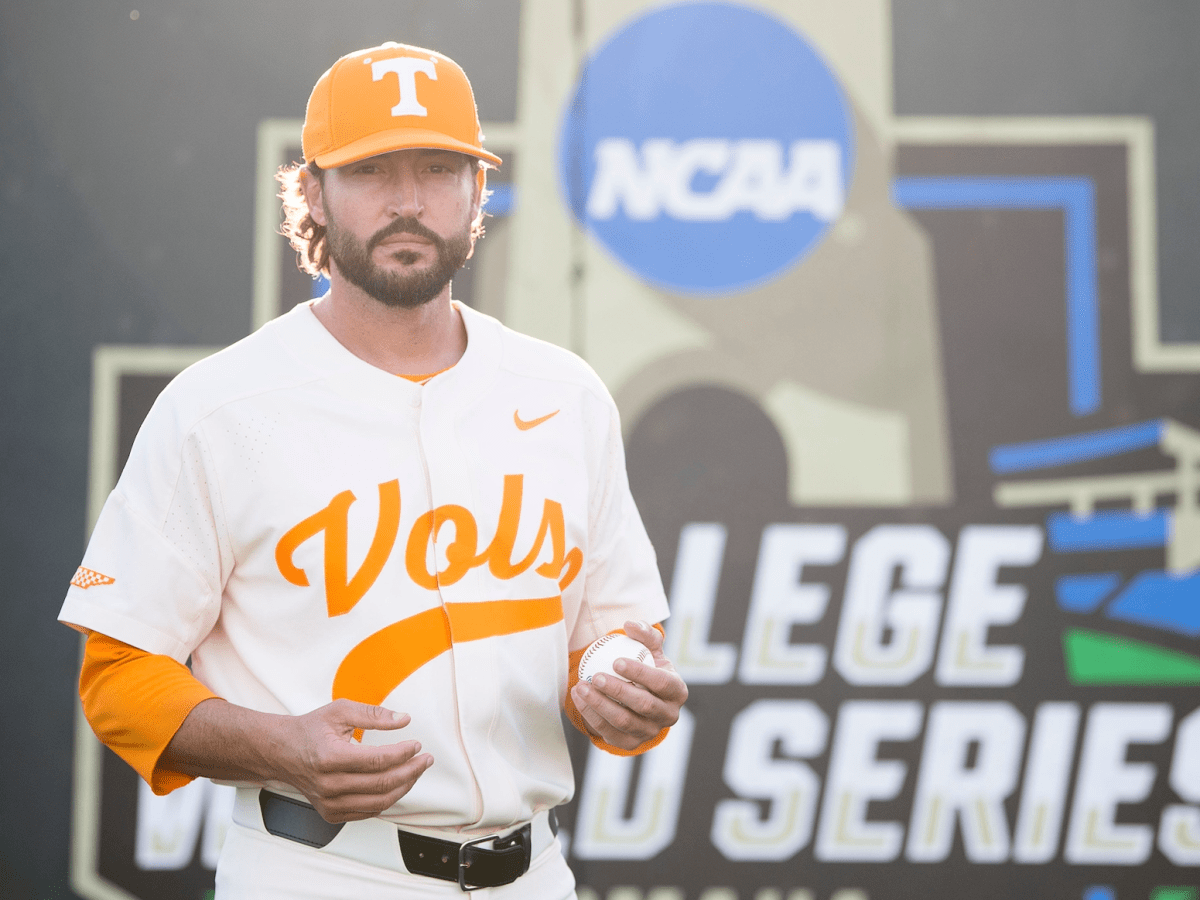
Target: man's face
<point>399,224</point>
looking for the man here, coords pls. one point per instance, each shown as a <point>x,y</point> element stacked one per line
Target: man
<point>383,528</point>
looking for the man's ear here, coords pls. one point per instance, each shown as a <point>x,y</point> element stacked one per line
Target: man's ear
<point>314,196</point>
<point>480,185</point>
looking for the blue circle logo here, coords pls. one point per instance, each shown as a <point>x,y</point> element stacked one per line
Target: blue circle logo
<point>707,146</point>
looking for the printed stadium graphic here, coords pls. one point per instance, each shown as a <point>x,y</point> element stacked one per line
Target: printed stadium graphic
<point>1108,514</point>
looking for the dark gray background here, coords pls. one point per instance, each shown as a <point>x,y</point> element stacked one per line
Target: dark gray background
<point>127,152</point>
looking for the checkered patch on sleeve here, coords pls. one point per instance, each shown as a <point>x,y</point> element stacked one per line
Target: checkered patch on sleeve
<point>86,578</point>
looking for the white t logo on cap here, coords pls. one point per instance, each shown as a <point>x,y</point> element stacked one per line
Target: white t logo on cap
<point>406,69</point>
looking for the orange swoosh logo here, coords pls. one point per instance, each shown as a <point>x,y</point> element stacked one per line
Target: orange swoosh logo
<point>532,423</point>
<point>379,664</point>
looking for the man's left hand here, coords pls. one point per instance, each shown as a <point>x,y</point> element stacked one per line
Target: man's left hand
<point>627,715</point>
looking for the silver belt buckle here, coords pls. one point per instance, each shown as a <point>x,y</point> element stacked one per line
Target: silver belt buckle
<point>463,865</point>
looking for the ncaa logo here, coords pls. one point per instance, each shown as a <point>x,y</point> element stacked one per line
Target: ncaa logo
<point>707,146</point>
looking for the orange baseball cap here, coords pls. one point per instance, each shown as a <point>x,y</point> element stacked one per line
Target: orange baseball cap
<point>391,97</point>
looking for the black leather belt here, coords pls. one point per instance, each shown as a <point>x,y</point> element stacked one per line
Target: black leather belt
<point>470,865</point>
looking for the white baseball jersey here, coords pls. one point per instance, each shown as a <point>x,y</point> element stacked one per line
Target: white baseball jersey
<point>306,527</point>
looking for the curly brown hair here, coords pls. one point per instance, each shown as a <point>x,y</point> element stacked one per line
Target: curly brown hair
<point>307,237</point>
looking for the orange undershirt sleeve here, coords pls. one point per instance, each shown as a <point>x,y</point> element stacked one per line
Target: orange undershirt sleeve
<point>577,718</point>
<point>135,702</point>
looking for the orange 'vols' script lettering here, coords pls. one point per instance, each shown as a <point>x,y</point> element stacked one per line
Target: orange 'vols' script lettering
<point>379,664</point>
<point>462,554</point>
<point>342,592</point>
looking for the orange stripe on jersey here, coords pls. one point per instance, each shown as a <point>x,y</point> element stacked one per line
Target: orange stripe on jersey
<point>378,665</point>
<point>381,663</point>
<point>492,618</point>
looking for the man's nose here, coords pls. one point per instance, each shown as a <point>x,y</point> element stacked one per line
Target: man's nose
<point>404,196</point>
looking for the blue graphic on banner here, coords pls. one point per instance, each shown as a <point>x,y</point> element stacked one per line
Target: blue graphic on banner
<point>1076,198</point>
<point>1076,448</point>
<point>1161,600</point>
<point>1085,593</point>
<point>1107,530</point>
<point>1165,600</point>
<point>707,147</point>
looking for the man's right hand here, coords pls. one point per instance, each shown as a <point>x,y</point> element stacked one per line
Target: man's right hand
<point>315,753</point>
<point>344,779</point>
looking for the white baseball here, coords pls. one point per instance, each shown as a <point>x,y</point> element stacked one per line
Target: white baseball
<point>599,657</point>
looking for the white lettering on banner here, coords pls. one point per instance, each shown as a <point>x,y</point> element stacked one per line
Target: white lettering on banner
<point>1179,831</point>
<point>857,777</point>
<point>872,611</point>
<point>976,602</point>
<point>789,786</point>
<point>950,786</point>
<point>1047,778</point>
<point>779,600</point>
<point>406,69</point>
<point>681,164</point>
<point>601,829</point>
<point>693,599</point>
<point>971,762</point>
<point>1106,779</point>
<point>750,178</point>
<point>887,636</point>
<point>620,179</point>
<point>167,827</point>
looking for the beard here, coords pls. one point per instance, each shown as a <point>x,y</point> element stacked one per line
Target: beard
<point>403,290</point>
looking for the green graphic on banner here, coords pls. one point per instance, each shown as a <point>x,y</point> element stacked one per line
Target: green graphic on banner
<point>1175,893</point>
<point>1094,657</point>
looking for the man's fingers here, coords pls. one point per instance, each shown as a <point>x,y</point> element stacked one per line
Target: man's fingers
<point>662,682</point>
<point>584,702</point>
<point>660,711</point>
<point>343,797</point>
<point>365,759</point>
<point>648,635</point>
<point>362,715</point>
<point>378,790</point>
<point>345,779</point>
<point>364,797</point>
<point>616,723</point>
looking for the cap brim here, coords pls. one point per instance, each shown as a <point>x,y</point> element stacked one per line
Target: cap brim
<point>400,139</point>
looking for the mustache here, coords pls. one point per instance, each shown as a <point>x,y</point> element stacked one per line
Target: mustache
<point>407,225</point>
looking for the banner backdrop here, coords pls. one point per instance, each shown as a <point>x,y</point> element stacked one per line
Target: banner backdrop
<point>921,476</point>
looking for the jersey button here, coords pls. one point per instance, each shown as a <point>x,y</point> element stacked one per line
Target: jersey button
<point>414,401</point>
